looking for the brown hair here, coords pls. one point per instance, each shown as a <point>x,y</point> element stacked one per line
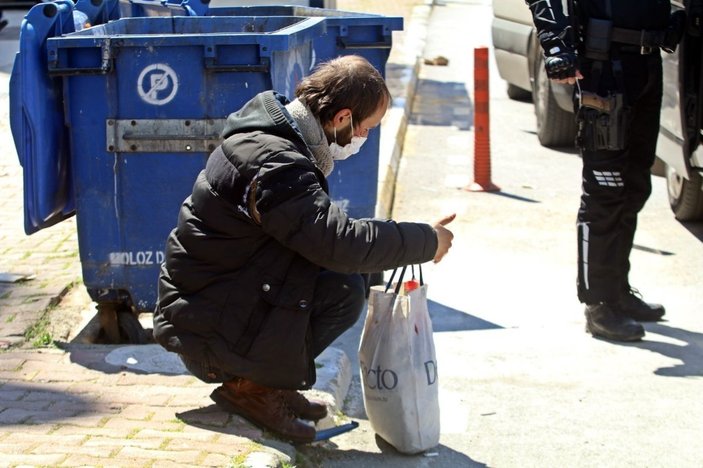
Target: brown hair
<point>344,82</point>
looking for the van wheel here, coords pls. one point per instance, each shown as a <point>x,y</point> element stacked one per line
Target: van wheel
<point>555,126</point>
<point>518,94</point>
<point>685,196</point>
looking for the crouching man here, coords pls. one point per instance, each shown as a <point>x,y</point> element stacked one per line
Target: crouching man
<point>263,272</point>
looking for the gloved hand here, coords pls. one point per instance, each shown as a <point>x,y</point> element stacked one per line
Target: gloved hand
<point>560,66</point>
<point>674,33</point>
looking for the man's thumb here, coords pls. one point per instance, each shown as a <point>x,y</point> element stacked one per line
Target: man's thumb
<point>447,219</point>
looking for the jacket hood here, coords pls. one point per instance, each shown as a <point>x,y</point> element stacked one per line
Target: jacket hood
<point>265,112</point>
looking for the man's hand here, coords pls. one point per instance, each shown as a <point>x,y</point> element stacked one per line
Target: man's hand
<point>562,68</point>
<point>444,237</point>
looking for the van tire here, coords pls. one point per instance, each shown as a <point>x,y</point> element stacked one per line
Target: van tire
<point>685,196</point>
<point>555,126</point>
<point>516,93</point>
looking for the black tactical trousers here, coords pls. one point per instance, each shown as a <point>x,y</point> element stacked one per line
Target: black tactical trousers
<point>616,184</point>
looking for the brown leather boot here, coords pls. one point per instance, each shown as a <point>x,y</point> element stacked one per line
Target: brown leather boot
<point>312,410</point>
<point>265,407</point>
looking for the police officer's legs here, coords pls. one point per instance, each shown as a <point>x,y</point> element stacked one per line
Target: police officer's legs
<point>616,186</point>
<point>599,228</point>
<point>637,176</point>
<point>600,240</point>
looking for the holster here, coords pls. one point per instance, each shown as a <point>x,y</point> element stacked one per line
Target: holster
<point>603,122</point>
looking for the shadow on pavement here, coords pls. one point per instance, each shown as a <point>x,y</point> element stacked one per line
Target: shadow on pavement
<point>137,359</point>
<point>652,250</point>
<point>31,404</point>
<point>389,456</point>
<point>515,197</point>
<point>445,319</point>
<point>695,228</point>
<point>690,353</point>
<point>443,104</point>
<point>89,356</point>
<point>212,418</point>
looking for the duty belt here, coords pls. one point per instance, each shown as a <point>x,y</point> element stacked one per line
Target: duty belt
<point>644,39</point>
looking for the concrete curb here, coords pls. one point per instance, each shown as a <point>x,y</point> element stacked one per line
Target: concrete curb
<point>333,377</point>
<point>405,72</point>
<point>334,372</point>
<point>334,366</point>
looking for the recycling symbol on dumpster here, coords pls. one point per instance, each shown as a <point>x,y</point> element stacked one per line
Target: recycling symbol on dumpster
<point>157,84</point>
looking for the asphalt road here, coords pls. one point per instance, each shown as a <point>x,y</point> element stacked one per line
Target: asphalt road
<point>521,383</point>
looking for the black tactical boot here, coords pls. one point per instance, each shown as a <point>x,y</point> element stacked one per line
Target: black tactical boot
<point>633,306</point>
<point>606,321</point>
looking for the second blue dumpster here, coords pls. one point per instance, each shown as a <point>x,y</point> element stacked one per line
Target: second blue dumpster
<point>354,182</point>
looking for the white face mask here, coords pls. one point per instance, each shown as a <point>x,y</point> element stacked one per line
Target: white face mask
<point>340,153</point>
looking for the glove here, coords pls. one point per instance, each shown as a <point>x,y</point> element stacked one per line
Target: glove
<point>674,33</point>
<point>560,66</point>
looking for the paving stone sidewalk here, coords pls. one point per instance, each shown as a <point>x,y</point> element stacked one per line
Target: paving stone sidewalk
<point>71,409</point>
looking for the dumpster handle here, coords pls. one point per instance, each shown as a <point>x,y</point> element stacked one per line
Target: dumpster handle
<point>104,67</point>
<point>142,137</point>
<point>79,71</point>
<point>162,135</point>
<point>363,45</point>
<point>264,68</point>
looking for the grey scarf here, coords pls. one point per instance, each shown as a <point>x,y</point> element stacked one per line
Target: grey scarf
<point>313,134</point>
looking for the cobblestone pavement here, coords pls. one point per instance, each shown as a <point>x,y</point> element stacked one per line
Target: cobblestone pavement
<point>64,405</point>
<point>71,409</point>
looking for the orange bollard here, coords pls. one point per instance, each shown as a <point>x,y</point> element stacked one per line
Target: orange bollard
<point>482,128</point>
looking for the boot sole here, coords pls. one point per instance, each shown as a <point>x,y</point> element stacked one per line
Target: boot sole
<point>224,404</point>
<point>610,336</point>
<point>313,419</point>
<point>228,407</point>
<point>644,319</point>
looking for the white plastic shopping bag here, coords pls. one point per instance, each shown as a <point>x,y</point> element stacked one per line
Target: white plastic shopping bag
<point>399,367</point>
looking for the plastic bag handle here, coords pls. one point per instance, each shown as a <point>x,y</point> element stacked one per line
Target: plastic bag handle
<point>400,278</point>
<point>412,270</point>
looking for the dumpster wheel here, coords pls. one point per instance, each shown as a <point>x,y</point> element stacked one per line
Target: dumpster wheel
<point>120,325</point>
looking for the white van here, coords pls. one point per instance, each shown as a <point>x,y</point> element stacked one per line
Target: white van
<point>518,56</point>
<point>520,63</point>
<point>679,144</point>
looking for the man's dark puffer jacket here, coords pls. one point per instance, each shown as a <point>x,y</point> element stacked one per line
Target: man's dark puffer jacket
<point>235,292</point>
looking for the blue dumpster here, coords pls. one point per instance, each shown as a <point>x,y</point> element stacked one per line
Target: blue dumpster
<point>114,122</point>
<point>354,182</point>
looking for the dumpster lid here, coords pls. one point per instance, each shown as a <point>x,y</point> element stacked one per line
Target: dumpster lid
<point>275,33</point>
<point>36,119</point>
